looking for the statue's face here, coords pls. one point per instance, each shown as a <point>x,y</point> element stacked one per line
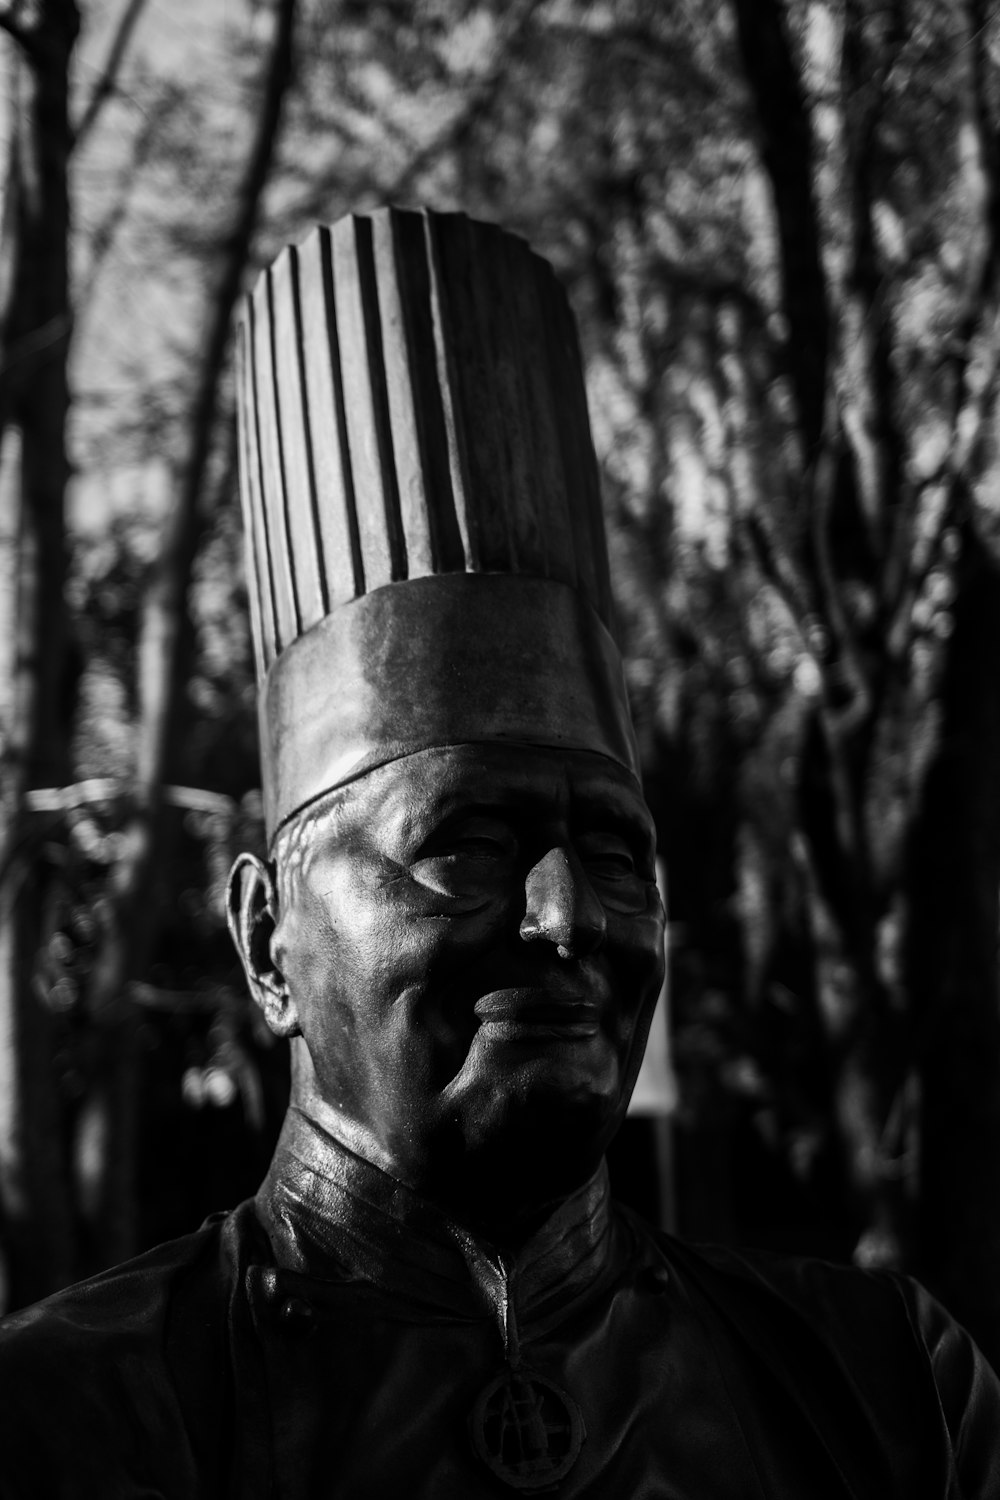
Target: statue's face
<point>472,944</point>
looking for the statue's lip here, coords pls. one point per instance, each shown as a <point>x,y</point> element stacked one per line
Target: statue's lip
<point>538,1010</point>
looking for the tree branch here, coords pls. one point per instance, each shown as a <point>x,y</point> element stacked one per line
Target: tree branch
<point>786,147</point>
<point>22,20</point>
<point>865,380</point>
<point>103,237</point>
<point>106,84</point>
<point>478,102</point>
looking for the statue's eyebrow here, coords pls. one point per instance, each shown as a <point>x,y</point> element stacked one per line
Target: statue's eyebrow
<point>614,809</point>
<point>454,817</point>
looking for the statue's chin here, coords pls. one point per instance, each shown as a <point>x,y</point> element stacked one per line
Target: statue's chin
<point>518,1150</point>
<point>504,1073</point>
<point>519,1128</point>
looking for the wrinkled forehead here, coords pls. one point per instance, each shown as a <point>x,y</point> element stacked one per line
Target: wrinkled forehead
<point>528,779</point>
<point>404,800</point>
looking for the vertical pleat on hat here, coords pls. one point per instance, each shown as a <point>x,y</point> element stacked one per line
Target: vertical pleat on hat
<point>412,403</point>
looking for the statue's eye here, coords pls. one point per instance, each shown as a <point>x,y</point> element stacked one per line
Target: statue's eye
<point>606,857</point>
<point>475,847</point>
<point>474,838</point>
<point>615,872</point>
<point>470,858</point>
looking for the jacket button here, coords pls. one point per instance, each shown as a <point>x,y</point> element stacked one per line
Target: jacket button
<point>297,1315</point>
<point>652,1281</point>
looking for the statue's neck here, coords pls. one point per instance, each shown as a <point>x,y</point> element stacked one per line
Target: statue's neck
<point>495,1203</point>
<point>330,1213</point>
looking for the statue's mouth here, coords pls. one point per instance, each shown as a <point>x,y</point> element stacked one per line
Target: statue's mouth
<point>524,1014</point>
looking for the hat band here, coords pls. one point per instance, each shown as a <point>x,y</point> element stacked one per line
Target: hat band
<point>447,659</point>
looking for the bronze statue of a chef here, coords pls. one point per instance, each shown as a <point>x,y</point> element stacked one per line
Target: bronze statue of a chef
<point>458,928</point>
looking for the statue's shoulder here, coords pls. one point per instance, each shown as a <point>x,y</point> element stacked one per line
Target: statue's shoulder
<point>824,1291</point>
<point>841,1300</point>
<point>877,1334</point>
<point>112,1364</point>
<point>124,1306</point>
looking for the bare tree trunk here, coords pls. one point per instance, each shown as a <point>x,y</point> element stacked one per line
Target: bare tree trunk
<point>36,707</point>
<point>854,511</point>
<point>787,152</point>
<point>164,659</point>
<point>954,972</point>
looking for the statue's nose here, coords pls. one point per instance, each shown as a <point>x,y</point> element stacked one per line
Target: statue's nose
<point>561,907</point>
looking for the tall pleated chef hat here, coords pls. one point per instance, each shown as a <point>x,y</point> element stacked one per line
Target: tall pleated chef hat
<point>426,553</point>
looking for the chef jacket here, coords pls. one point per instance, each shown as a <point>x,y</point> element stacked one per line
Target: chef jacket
<point>339,1337</point>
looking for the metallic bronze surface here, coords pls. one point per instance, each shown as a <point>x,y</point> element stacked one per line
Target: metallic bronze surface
<point>456,659</point>
<point>411,403</point>
<point>425,545</point>
<point>527,1431</point>
<point>466,945</point>
<point>740,1376</point>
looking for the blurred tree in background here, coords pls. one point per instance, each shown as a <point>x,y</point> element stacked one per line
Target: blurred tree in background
<point>778,223</point>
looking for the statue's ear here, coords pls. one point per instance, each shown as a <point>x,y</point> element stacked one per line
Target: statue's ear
<point>252,911</point>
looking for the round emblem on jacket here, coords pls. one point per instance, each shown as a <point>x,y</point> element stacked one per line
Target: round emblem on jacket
<point>526,1430</point>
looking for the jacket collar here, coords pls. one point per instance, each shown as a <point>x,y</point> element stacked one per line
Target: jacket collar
<point>332,1215</point>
